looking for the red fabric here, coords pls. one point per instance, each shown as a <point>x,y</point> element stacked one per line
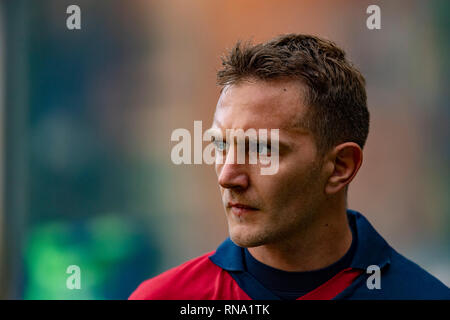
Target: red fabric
<point>334,286</point>
<point>201,279</point>
<point>197,279</point>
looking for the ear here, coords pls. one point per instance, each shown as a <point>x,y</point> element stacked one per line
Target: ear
<point>344,162</point>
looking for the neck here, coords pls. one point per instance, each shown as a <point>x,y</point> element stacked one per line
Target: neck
<point>326,239</point>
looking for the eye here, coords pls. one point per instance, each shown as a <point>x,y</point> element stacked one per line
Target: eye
<point>261,148</point>
<point>220,145</point>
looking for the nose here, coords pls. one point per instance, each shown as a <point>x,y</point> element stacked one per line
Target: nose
<point>233,176</point>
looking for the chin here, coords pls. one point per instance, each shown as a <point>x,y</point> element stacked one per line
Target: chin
<point>245,238</point>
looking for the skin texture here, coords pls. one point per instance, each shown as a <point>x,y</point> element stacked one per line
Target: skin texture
<point>299,220</point>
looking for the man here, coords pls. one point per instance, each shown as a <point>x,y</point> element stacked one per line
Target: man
<point>291,234</point>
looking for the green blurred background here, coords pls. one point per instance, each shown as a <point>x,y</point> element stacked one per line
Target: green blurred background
<point>86,117</point>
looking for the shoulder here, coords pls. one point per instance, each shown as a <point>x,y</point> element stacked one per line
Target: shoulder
<point>181,282</point>
<point>400,278</point>
<point>403,279</point>
<point>408,280</point>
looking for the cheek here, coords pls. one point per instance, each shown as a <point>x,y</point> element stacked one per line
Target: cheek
<point>291,186</point>
<point>274,190</point>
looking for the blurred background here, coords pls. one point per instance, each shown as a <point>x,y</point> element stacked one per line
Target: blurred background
<point>86,117</point>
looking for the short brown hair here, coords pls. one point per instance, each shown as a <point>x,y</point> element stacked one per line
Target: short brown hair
<point>335,88</point>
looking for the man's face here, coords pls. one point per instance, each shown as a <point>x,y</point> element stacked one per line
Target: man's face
<point>264,209</point>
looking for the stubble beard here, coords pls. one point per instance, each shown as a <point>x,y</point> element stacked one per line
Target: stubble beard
<point>266,234</point>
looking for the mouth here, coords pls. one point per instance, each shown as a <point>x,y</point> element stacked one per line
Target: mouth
<point>239,209</point>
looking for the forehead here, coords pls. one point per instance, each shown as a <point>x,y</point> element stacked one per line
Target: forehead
<point>274,104</point>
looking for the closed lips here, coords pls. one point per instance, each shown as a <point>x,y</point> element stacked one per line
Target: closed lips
<point>241,206</point>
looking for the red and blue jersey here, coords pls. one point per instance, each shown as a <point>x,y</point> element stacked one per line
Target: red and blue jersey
<point>222,275</point>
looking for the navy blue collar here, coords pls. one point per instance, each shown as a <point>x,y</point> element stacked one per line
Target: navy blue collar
<point>371,248</point>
